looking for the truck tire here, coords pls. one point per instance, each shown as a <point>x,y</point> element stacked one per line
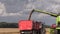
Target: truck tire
<point>25,32</point>
<point>34,32</point>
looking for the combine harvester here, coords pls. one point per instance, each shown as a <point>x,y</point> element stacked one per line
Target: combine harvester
<point>31,27</point>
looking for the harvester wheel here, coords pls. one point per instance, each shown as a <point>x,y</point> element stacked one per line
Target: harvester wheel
<point>55,31</point>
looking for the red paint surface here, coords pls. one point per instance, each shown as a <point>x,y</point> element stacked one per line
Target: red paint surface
<point>36,26</point>
<point>25,25</point>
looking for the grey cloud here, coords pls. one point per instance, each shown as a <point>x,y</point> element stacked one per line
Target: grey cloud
<point>14,5</point>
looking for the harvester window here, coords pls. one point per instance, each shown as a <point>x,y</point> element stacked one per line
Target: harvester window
<point>58,24</point>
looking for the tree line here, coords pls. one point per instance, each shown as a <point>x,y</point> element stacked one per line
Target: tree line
<point>13,25</point>
<point>8,25</point>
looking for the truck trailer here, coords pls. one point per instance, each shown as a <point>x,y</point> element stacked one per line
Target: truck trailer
<point>31,27</point>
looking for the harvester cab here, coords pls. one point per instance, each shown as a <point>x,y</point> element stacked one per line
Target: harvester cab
<point>31,27</point>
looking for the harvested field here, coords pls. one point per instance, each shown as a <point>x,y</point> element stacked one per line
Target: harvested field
<point>9,31</point>
<point>14,31</point>
<point>47,30</point>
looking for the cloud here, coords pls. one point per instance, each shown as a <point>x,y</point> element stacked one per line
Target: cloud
<point>44,5</point>
<point>20,9</point>
<point>4,13</point>
<point>29,7</point>
<point>53,8</point>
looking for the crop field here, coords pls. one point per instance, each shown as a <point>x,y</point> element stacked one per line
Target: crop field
<point>9,31</point>
<point>47,30</point>
<point>14,31</point>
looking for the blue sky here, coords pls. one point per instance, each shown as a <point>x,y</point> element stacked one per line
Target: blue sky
<point>15,10</point>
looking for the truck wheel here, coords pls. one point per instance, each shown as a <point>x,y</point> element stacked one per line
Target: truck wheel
<point>34,32</point>
<point>39,32</point>
<point>22,33</point>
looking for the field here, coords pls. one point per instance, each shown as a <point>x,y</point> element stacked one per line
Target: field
<point>9,31</point>
<point>47,30</point>
<point>14,31</point>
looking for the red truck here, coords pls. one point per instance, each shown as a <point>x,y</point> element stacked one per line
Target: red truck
<point>29,27</point>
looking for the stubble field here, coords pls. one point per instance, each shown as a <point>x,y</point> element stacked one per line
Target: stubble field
<point>15,31</point>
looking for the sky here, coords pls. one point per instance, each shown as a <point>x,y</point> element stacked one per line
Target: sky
<point>15,10</point>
